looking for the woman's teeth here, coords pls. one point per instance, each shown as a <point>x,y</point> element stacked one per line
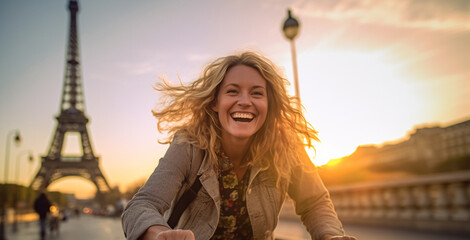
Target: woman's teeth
<point>244,117</point>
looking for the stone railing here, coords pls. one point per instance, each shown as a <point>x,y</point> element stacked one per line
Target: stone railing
<point>433,202</point>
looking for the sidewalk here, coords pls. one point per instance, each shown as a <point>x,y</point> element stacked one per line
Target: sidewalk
<point>84,227</point>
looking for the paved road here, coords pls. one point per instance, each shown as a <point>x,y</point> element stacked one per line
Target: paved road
<point>294,230</point>
<point>100,228</point>
<point>387,233</point>
<point>85,227</point>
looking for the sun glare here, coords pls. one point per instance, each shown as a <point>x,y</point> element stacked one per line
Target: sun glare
<point>348,96</point>
<point>315,158</point>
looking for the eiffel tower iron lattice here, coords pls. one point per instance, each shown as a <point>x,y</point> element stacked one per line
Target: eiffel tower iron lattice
<point>71,119</point>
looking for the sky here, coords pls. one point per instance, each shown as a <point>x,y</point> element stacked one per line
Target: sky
<point>369,71</point>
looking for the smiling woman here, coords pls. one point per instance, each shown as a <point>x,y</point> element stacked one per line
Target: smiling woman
<point>241,104</point>
<point>238,150</point>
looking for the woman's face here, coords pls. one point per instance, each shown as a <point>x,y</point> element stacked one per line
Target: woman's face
<point>242,103</point>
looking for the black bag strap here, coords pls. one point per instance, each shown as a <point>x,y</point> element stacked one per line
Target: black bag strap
<point>183,202</point>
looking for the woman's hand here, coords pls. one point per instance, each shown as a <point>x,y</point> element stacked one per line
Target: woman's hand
<point>164,233</point>
<point>176,235</point>
<point>331,237</point>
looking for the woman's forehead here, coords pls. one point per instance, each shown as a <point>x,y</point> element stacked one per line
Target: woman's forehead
<point>243,75</point>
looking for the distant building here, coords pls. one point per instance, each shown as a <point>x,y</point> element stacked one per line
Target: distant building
<point>425,147</point>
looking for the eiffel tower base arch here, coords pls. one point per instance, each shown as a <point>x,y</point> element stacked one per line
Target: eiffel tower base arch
<point>53,170</point>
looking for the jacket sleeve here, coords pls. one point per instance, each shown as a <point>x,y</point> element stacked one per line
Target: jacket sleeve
<point>149,204</point>
<point>312,202</point>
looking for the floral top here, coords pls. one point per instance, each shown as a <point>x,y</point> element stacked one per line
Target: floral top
<point>234,222</point>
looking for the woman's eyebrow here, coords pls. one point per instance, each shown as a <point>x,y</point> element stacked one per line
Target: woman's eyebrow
<point>231,84</point>
<point>238,86</point>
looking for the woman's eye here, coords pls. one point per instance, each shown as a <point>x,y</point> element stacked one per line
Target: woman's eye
<point>258,93</point>
<point>231,91</point>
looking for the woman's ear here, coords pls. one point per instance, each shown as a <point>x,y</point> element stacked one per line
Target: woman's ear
<point>214,106</point>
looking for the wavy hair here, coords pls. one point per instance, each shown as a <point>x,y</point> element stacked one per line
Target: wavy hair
<point>278,144</point>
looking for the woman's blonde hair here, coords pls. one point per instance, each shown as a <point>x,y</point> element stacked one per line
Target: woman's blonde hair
<point>279,144</point>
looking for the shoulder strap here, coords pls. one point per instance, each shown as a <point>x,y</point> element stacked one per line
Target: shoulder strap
<point>183,202</point>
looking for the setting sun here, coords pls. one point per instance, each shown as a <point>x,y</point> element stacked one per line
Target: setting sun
<point>350,87</point>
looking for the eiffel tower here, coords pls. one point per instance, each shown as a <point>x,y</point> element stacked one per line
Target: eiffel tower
<point>72,119</point>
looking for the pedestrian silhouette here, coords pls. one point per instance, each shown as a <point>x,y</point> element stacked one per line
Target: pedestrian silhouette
<point>41,206</point>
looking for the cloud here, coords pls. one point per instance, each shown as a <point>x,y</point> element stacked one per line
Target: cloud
<point>434,14</point>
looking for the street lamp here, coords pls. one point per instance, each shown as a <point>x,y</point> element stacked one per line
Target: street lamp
<point>291,30</point>
<point>7,151</point>
<point>16,197</point>
<point>18,160</point>
<point>17,140</point>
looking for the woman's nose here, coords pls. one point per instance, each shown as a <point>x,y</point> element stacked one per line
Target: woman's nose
<point>244,99</point>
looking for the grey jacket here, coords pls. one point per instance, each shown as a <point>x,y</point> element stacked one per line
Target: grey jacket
<point>178,169</point>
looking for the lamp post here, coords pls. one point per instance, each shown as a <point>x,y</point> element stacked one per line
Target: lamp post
<point>18,160</point>
<point>7,151</point>
<point>16,197</point>
<point>291,30</point>
<point>17,140</point>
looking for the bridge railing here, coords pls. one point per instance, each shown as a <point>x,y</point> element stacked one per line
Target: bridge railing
<point>435,202</point>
